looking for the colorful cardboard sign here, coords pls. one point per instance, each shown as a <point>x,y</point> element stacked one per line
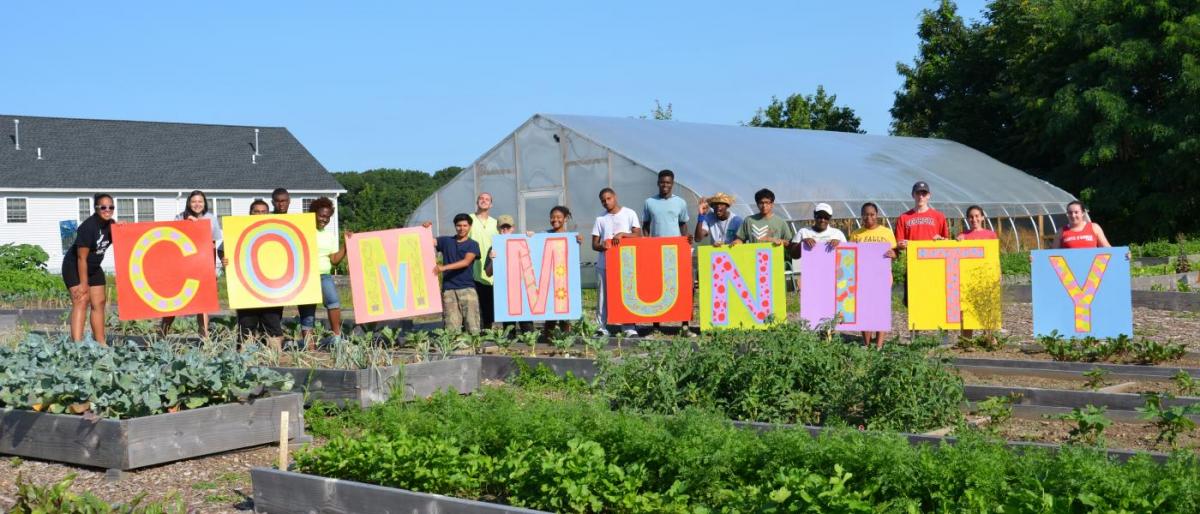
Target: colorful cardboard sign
<point>851,283</point>
<point>954,285</point>
<point>391,274</point>
<point>649,280</point>
<point>164,268</point>
<point>272,260</point>
<point>66,232</point>
<point>741,286</point>
<point>1082,292</point>
<point>536,278</point>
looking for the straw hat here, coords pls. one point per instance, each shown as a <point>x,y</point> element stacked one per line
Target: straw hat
<point>720,198</point>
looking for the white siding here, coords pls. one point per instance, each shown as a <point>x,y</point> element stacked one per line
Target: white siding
<point>46,210</point>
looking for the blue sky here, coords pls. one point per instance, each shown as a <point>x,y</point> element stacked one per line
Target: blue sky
<point>424,85</point>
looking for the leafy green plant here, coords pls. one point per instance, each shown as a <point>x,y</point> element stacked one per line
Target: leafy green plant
<point>58,499</point>
<point>447,342</point>
<point>1186,383</point>
<point>125,380</point>
<point>543,378</point>
<point>1096,378</point>
<point>421,342</point>
<point>500,336</point>
<point>529,339</point>
<point>563,342</point>
<point>1182,265</point>
<point>1146,351</point>
<point>998,409</point>
<point>1118,349</point>
<point>1170,421</point>
<point>1090,423</point>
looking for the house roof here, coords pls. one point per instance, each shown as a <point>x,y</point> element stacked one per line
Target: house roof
<point>803,167</point>
<point>112,155</point>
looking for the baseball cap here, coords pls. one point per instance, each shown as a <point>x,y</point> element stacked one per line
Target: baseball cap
<point>503,220</point>
<point>920,186</point>
<point>823,207</point>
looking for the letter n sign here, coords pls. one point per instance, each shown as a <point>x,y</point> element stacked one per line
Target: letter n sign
<point>1082,292</point>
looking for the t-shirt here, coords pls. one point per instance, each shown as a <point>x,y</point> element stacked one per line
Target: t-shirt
<point>830,234</point>
<point>214,223</point>
<point>982,233</point>
<point>721,231</point>
<point>327,243</point>
<point>482,232</point>
<point>879,234</point>
<point>608,224</point>
<point>95,235</point>
<point>453,251</point>
<point>756,228</point>
<point>921,226</point>
<point>1083,238</point>
<point>663,215</point>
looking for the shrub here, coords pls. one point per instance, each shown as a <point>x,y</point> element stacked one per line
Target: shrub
<point>788,375</point>
<point>23,272</point>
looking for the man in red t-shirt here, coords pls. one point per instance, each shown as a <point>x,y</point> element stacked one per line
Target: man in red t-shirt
<point>921,223</point>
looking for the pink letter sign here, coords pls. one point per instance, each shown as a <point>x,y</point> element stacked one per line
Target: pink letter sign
<point>852,282</point>
<point>391,274</point>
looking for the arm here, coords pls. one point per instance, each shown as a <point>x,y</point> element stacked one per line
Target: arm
<point>487,267</point>
<point>336,257</point>
<point>1057,241</point>
<point>596,243</point>
<point>462,263</point>
<point>1101,240</point>
<point>683,230</point>
<point>700,232</point>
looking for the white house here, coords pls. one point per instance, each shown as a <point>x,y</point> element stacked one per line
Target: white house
<point>51,167</point>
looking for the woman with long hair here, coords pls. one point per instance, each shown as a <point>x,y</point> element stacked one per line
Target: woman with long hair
<point>1079,232</point>
<point>81,270</point>
<point>196,209</point>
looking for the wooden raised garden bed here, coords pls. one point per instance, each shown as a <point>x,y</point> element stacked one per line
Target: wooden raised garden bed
<point>138,442</point>
<point>365,387</point>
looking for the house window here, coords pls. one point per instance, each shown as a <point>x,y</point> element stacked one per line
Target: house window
<point>125,211</point>
<point>16,210</point>
<point>85,209</point>
<point>224,207</point>
<point>305,203</point>
<point>145,209</point>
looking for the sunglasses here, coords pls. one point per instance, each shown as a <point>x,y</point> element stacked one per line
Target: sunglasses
<point>105,208</point>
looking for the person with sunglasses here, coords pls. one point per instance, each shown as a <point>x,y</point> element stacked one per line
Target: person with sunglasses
<point>81,270</point>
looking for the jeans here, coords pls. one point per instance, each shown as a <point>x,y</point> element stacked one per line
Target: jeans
<point>329,297</point>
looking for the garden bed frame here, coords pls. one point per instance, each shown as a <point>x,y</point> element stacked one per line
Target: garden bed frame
<point>365,387</point>
<point>139,442</point>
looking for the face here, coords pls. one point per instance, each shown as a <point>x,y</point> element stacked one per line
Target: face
<point>281,202</point>
<point>324,214</point>
<point>820,221</point>
<point>608,201</point>
<point>507,229</point>
<point>484,202</point>
<point>665,185</point>
<point>722,210</point>
<point>975,218</point>
<point>870,217</point>
<point>196,204</point>
<point>557,220</point>
<point>765,206</point>
<point>921,197</point>
<point>462,228</point>
<point>105,208</point>
<point>260,208</point>
<point>1075,214</point>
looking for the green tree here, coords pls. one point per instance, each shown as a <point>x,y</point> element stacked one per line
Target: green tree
<point>384,198</point>
<point>817,112</point>
<point>659,112</point>
<point>1097,97</point>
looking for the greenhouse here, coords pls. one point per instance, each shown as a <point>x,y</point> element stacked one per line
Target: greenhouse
<point>557,159</point>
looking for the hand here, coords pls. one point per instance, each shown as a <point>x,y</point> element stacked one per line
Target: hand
<point>718,245</point>
<point>578,238</point>
<point>80,289</point>
<point>703,206</point>
<point>530,234</point>
<point>809,242</point>
<point>426,224</point>
<point>832,243</point>
<point>891,254</point>
<point>437,269</point>
<point>606,244</point>
<point>492,253</point>
<point>938,237</point>
<point>903,244</point>
<point>781,242</point>
<point>616,238</point>
<point>690,238</point>
<point>224,262</point>
<point>959,237</point>
<point>347,235</point>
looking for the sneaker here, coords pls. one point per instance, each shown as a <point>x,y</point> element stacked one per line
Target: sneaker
<point>602,332</point>
<point>629,332</point>
<point>689,334</point>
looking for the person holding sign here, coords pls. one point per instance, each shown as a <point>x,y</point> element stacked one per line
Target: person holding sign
<point>715,221</point>
<point>820,232</point>
<point>81,268</point>
<point>267,321</point>
<point>329,253</point>
<point>873,232</point>
<point>197,210</point>
<point>483,228</point>
<point>616,222</point>
<point>975,228</point>
<point>921,223</point>
<point>764,227</point>
<point>460,302</point>
<point>666,215</point>
<point>1079,232</point>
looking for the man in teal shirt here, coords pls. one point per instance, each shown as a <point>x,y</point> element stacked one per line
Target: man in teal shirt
<point>666,215</point>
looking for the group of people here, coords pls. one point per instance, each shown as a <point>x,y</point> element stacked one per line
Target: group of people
<point>467,304</point>
<point>85,280</point>
<point>467,257</point>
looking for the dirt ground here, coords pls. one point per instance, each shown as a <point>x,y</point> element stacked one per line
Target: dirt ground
<point>1078,384</point>
<point>1132,436</point>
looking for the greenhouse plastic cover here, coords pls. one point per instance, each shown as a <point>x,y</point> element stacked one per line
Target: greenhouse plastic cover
<point>803,167</point>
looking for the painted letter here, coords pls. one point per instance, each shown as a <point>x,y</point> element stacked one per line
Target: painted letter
<point>1083,296</point>
<point>952,256</point>
<point>137,269</point>
<point>670,282</point>
<point>399,278</point>
<point>553,274</point>
<point>725,274</point>
<point>846,285</point>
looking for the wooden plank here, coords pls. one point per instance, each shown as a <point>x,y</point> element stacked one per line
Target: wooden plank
<point>1064,398</point>
<point>364,387</point>
<point>191,433</point>
<point>423,379</point>
<point>500,367</point>
<point>284,492</point>
<point>62,438</point>
<point>1167,371</point>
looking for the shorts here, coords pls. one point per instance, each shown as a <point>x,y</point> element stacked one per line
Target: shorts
<point>263,320</point>
<point>70,275</point>
<point>329,298</point>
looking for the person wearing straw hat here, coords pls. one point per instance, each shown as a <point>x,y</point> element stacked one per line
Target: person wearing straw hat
<point>715,221</point>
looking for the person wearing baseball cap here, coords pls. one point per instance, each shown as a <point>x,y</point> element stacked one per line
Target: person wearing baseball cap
<point>820,232</point>
<point>921,223</point>
<point>715,221</point>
